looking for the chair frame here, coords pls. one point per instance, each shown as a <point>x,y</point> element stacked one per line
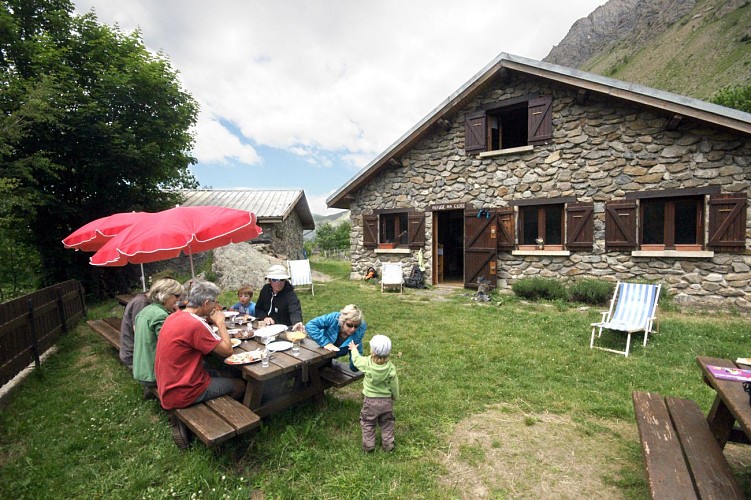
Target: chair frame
<point>620,317</point>
<point>385,275</point>
<point>299,279</point>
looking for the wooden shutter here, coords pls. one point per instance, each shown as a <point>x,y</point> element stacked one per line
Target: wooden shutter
<point>580,225</point>
<point>480,253</point>
<point>474,132</point>
<point>369,231</point>
<point>506,229</point>
<point>540,119</point>
<point>727,222</point>
<point>416,232</point>
<point>620,225</point>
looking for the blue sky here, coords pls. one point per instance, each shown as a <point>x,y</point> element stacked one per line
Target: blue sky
<point>303,94</point>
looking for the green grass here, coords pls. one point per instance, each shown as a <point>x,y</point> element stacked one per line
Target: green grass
<point>78,428</point>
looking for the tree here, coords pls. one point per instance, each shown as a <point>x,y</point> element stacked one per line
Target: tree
<point>734,97</point>
<point>91,124</point>
<point>333,238</point>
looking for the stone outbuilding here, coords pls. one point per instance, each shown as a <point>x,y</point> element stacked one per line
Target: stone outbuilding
<point>534,169</point>
<point>283,214</point>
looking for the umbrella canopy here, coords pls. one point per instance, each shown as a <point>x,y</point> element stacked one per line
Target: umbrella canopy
<point>92,236</point>
<point>165,235</point>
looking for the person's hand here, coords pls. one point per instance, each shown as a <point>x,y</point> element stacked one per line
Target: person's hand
<point>217,316</point>
<point>268,320</point>
<point>352,346</point>
<point>331,347</point>
<point>299,327</point>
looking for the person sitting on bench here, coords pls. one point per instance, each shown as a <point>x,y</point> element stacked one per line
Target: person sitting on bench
<point>185,338</point>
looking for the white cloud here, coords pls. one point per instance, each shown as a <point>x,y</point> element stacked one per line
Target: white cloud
<point>219,145</point>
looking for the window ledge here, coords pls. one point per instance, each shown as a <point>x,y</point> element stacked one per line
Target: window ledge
<point>547,253</point>
<point>392,251</point>
<point>700,254</point>
<point>509,151</point>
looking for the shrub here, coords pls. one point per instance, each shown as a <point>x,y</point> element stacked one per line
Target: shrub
<point>591,291</point>
<point>539,288</point>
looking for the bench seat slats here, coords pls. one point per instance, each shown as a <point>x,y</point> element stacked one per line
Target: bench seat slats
<point>205,424</point>
<point>236,414</point>
<point>709,467</point>
<point>338,375</point>
<point>107,331</point>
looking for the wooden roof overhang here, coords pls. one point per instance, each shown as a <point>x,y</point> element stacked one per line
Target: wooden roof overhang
<point>679,106</point>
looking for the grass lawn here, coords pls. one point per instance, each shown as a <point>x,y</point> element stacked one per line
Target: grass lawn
<point>78,426</point>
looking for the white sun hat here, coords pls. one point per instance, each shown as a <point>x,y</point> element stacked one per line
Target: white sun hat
<point>380,345</point>
<point>277,272</point>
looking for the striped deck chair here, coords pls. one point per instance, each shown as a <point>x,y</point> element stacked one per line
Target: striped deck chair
<point>632,309</point>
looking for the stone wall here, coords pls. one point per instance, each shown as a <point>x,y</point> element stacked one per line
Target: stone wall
<point>600,151</point>
<point>285,237</point>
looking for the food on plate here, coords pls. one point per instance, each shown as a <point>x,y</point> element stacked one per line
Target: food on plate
<point>236,342</point>
<point>295,336</point>
<point>242,358</point>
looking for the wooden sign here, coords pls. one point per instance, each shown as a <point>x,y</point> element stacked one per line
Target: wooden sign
<point>447,206</point>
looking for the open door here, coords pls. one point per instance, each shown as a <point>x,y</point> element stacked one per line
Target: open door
<point>480,246</point>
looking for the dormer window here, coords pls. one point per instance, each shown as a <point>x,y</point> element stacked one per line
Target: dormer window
<point>513,123</point>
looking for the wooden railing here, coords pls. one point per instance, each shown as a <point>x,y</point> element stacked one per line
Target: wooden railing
<point>31,324</point>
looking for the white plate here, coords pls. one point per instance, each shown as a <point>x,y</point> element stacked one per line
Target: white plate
<point>230,314</point>
<point>235,342</point>
<point>271,330</point>
<point>279,345</point>
<point>243,358</point>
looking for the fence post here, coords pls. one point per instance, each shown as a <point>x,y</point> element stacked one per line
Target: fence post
<point>83,302</point>
<point>61,309</point>
<point>34,346</point>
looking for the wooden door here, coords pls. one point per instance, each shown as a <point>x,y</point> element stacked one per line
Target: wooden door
<point>480,246</point>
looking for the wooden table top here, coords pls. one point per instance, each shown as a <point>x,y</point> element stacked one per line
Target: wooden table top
<point>283,362</point>
<point>731,392</point>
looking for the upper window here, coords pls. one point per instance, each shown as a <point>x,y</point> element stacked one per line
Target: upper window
<point>513,123</point>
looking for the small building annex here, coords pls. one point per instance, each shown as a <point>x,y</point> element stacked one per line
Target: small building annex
<point>283,214</point>
<point>535,169</point>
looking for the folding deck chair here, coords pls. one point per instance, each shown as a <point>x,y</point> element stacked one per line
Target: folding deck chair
<point>633,308</point>
<point>391,275</point>
<point>299,274</point>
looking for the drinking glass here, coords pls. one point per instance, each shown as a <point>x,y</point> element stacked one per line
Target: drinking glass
<point>265,358</point>
<point>296,348</point>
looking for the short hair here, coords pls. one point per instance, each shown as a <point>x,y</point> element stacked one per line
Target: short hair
<point>246,289</point>
<point>163,289</point>
<point>201,291</point>
<point>350,313</point>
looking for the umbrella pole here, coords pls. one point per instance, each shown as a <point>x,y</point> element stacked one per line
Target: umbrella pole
<point>143,279</point>
<point>192,273</point>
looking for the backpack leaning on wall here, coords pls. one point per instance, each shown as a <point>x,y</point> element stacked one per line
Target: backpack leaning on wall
<point>416,278</point>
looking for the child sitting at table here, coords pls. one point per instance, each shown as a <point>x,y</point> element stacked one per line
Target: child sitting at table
<point>245,306</point>
<point>380,388</point>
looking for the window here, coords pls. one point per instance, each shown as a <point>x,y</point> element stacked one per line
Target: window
<point>558,224</point>
<point>513,123</point>
<point>402,228</point>
<point>541,222</point>
<point>675,220</point>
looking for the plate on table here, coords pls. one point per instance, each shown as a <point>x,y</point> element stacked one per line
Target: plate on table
<point>270,331</point>
<point>243,358</point>
<point>279,345</point>
<point>235,342</point>
<point>230,314</point>
<point>743,361</point>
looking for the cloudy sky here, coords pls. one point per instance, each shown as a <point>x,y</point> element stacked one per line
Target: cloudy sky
<point>303,94</point>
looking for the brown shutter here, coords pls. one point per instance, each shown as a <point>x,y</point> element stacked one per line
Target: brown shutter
<point>369,231</point>
<point>727,222</point>
<point>540,119</point>
<point>474,132</point>
<point>506,228</point>
<point>416,230</point>
<point>580,226</point>
<point>620,225</point>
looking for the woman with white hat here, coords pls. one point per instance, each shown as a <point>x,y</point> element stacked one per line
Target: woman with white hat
<point>277,301</point>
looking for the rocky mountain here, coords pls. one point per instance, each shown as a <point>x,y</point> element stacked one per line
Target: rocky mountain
<point>691,47</point>
<point>320,220</point>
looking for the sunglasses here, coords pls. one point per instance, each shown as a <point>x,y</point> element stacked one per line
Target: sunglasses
<point>276,280</point>
<point>352,325</point>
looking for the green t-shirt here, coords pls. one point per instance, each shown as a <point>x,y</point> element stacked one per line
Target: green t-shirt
<point>380,381</point>
<point>148,324</point>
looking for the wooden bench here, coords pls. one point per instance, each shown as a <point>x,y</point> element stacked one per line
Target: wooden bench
<point>338,375</point>
<point>124,298</point>
<point>682,457</point>
<point>213,422</point>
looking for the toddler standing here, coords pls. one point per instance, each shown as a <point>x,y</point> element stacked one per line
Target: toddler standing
<point>380,388</point>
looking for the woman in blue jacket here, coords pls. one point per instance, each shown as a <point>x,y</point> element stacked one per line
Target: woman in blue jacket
<point>334,331</point>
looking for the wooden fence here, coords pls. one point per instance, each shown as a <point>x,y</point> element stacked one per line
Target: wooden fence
<point>31,324</point>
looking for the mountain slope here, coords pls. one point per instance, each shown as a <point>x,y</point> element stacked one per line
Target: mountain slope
<point>688,47</point>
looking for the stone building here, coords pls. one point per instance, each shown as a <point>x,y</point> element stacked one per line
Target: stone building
<point>283,214</point>
<point>534,169</point>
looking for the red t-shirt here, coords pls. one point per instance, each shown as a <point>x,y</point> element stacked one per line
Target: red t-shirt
<point>180,376</point>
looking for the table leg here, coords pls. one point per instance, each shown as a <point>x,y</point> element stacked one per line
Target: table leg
<point>720,421</point>
<point>315,382</point>
<point>253,393</point>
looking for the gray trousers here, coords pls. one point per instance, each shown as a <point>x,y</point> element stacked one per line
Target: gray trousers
<point>377,411</point>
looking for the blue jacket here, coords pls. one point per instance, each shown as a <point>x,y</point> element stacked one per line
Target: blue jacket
<point>325,330</point>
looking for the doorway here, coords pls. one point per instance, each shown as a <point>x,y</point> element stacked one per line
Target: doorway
<point>448,249</point>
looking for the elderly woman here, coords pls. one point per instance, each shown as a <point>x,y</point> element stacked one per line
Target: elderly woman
<point>334,331</point>
<point>278,302</point>
<point>164,295</point>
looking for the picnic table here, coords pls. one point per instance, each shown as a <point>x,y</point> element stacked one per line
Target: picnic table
<point>730,406</point>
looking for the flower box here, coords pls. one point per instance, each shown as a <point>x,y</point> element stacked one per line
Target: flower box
<point>386,246</point>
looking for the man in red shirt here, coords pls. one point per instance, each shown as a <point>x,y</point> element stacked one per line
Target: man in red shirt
<point>185,338</point>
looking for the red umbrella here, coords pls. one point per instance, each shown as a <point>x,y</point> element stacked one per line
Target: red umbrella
<point>164,235</point>
<point>96,233</point>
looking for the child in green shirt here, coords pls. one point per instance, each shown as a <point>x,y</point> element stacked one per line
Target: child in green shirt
<point>380,388</point>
